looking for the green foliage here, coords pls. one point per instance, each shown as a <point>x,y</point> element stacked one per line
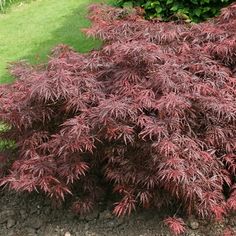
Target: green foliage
<point>192,10</point>
<point>7,145</point>
<point>3,127</point>
<point>4,3</point>
<point>4,143</point>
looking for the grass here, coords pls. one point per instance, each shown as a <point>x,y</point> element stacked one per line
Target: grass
<point>30,30</point>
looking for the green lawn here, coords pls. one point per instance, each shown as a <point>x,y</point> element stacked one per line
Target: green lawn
<point>29,31</point>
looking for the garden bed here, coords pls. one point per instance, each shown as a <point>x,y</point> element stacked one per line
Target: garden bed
<point>31,215</point>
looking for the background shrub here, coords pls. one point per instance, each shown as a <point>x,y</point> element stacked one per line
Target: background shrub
<point>152,116</point>
<point>6,3</point>
<point>192,10</point>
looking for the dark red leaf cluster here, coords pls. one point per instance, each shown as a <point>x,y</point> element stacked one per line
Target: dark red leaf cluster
<point>153,113</point>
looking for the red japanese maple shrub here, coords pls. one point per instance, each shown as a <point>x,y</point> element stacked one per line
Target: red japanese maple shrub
<point>153,113</point>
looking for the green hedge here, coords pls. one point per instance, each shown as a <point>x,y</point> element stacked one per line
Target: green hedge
<point>191,10</point>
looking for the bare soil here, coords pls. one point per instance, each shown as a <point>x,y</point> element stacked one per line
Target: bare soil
<point>33,215</point>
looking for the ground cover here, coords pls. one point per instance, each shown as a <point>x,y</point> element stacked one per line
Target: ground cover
<point>29,30</point>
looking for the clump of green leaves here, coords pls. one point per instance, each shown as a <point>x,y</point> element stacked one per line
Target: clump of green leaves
<point>192,10</point>
<point>5,144</point>
<point>4,3</point>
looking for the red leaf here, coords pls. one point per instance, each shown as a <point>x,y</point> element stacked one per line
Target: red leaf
<point>176,225</point>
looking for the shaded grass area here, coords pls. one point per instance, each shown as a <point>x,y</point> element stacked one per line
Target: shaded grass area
<point>30,30</point>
